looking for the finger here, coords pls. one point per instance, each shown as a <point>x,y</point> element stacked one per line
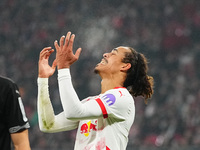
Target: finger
<point>78,52</point>
<point>67,38</point>
<point>62,41</point>
<point>44,51</point>
<point>56,45</point>
<point>71,42</point>
<point>54,64</point>
<point>48,53</point>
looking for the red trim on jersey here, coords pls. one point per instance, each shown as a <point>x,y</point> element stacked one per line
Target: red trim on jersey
<point>107,148</point>
<point>103,108</point>
<point>119,87</point>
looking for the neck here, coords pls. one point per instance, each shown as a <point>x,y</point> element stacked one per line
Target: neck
<point>110,83</point>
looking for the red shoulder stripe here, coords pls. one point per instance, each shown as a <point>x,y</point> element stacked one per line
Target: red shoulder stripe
<point>103,109</point>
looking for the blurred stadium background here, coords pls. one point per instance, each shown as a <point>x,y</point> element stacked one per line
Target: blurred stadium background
<point>166,31</point>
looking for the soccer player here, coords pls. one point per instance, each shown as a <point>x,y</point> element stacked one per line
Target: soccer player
<point>104,120</point>
<point>13,121</point>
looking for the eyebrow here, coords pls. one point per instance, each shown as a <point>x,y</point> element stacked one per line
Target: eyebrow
<point>115,49</point>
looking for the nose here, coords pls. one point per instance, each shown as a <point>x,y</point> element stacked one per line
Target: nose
<point>105,55</point>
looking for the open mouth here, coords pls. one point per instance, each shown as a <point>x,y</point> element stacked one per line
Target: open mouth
<point>104,61</point>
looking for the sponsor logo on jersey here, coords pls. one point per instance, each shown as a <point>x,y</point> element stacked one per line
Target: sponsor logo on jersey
<point>109,99</point>
<point>87,127</point>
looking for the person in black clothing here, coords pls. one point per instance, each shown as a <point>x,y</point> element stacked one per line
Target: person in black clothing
<point>13,121</point>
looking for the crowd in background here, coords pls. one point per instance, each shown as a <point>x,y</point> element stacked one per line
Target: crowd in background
<point>167,32</point>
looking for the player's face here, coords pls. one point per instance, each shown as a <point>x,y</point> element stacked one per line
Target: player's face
<point>112,61</point>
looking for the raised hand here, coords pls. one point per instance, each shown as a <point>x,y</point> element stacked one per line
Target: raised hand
<point>64,52</point>
<point>44,69</point>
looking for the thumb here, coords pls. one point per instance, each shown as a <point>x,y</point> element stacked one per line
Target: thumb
<point>54,64</point>
<point>78,52</point>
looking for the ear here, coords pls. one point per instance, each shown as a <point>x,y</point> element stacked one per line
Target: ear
<point>125,67</point>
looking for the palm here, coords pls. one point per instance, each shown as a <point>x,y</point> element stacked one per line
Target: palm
<point>45,70</point>
<point>64,51</point>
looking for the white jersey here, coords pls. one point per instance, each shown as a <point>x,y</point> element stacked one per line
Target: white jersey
<point>109,132</point>
<point>103,121</point>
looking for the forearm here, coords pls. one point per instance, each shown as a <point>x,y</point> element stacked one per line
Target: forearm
<point>21,140</point>
<point>48,121</point>
<point>69,98</point>
<point>22,147</point>
<point>45,110</point>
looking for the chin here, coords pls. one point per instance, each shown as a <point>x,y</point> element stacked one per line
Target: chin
<point>96,71</point>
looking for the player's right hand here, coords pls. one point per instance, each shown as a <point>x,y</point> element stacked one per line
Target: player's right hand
<point>44,69</point>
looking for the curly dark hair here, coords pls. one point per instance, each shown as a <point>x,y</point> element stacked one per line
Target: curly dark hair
<point>137,80</point>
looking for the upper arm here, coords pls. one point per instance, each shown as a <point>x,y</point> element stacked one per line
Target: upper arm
<point>21,140</point>
<point>107,105</point>
<point>87,110</point>
<point>16,119</point>
<point>110,104</point>
<point>15,111</point>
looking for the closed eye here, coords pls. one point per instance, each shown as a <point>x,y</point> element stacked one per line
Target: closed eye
<point>114,52</point>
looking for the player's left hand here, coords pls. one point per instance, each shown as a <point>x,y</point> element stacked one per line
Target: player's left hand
<point>64,51</point>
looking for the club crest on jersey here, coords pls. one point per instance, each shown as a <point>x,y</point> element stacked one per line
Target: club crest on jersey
<point>109,99</point>
<point>87,127</point>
